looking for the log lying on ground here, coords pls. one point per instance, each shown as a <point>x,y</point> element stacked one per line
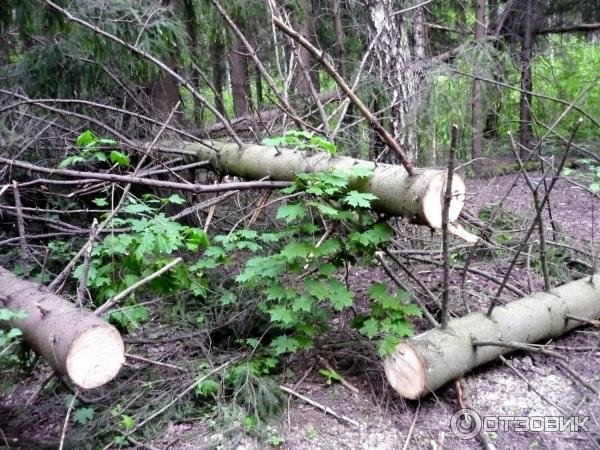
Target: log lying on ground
<point>418,198</point>
<point>428,361</point>
<point>75,342</point>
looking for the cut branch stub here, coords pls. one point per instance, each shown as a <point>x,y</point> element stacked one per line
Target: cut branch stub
<point>89,351</point>
<point>418,198</point>
<point>428,361</point>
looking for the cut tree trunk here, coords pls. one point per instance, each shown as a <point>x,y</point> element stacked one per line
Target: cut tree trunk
<point>89,351</point>
<point>428,361</point>
<point>418,198</point>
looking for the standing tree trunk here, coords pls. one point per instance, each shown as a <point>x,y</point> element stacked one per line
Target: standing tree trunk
<point>306,60</point>
<point>393,60</point>
<point>477,122</point>
<point>240,84</point>
<point>217,56</point>
<point>525,123</point>
<point>340,39</point>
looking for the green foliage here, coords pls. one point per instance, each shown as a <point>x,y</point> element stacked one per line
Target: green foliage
<point>293,274</point>
<point>69,60</point>
<point>82,416</point>
<point>9,336</point>
<point>330,376</point>
<point>94,148</point>
<point>301,140</point>
<point>118,261</point>
<point>588,171</point>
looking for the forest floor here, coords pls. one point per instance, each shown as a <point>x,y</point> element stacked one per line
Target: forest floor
<point>385,420</point>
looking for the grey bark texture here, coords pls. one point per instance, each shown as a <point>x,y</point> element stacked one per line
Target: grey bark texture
<point>85,348</point>
<point>424,363</point>
<point>417,198</point>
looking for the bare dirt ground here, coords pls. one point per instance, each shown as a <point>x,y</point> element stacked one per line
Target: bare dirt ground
<point>385,420</point>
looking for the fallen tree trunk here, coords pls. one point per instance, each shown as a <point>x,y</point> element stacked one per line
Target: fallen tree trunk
<point>75,342</point>
<point>418,198</point>
<point>428,361</point>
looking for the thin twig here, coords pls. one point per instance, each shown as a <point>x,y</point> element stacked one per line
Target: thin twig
<point>398,283</point>
<point>536,204</point>
<point>519,346</point>
<point>87,258</point>
<point>343,381</point>
<point>117,298</point>
<point>370,118</point>
<point>412,427</point>
<point>445,211</point>
<point>325,409</point>
<point>20,224</point>
<point>66,424</point>
<point>525,239</point>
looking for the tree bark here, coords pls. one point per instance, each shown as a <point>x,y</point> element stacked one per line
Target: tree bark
<point>85,348</point>
<point>525,119</point>
<point>305,58</point>
<point>217,54</point>
<point>393,61</point>
<point>340,39</point>
<point>428,361</point>
<point>240,84</point>
<point>417,198</point>
<point>477,116</point>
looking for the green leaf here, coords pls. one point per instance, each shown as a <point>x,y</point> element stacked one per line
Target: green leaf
<point>127,422</point>
<point>387,346</point>
<point>361,172</point>
<point>137,208</point>
<point>100,156</point>
<point>341,297</point>
<point>83,415</point>
<point>86,139</point>
<point>370,328</point>
<point>13,333</point>
<point>295,250</point>
<point>284,344</point>
<point>595,187</point>
<point>330,375</point>
<point>196,239</point>
<point>281,314</point>
<point>207,387</point>
<point>274,141</point>
<point>69,161</point>
<point>119,158</point>
<point>302,303</point>
<point>176,199</point>
<point>359,199</point>
<point>100,202</point>
<point>291,212</point>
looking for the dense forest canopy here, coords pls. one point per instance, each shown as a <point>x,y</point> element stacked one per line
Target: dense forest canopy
<point>244,190</point>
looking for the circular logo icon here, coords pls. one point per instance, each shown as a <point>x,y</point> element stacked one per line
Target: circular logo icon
<point>465,423</point>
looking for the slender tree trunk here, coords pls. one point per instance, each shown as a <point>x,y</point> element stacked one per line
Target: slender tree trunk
<point>525,120</point>
<point>307,29</point>
<point>217,54</point>
<point>477,117</point>
<point>393,61</point>
<point>238,72</point>
<point>340,39</point>
<point>259,90</point>
<point>164,95</point>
